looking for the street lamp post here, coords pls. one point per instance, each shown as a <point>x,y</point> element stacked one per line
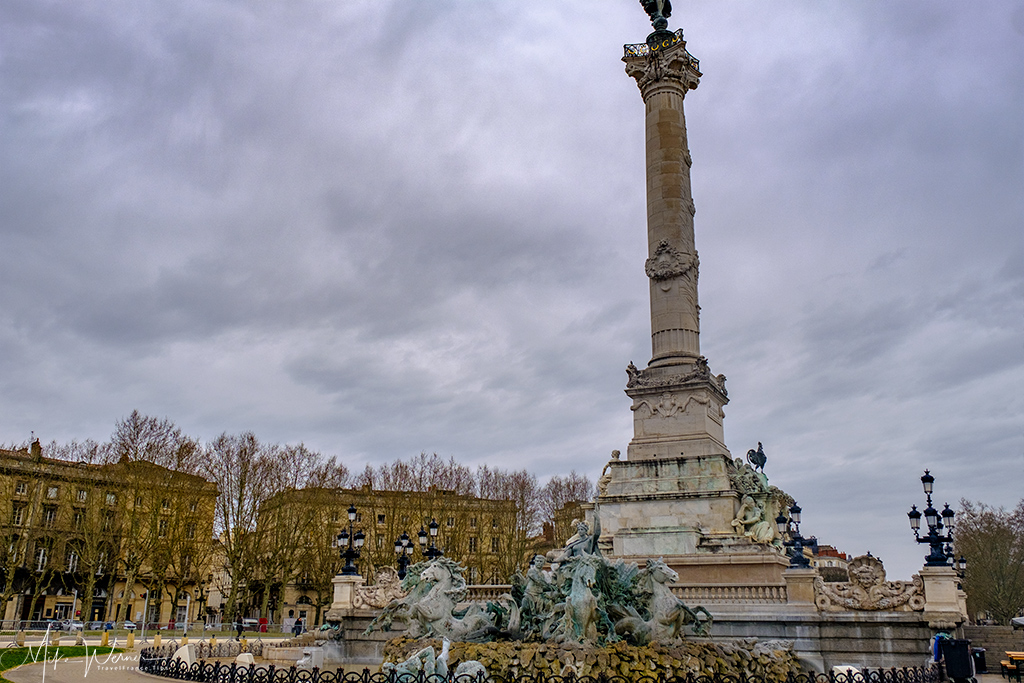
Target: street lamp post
<point>349,544</point>
<point>433,552</point>
<point>791,527</point>
<point>941,545</point>
<point>403,549</point>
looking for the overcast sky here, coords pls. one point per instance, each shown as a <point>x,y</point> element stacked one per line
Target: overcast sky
<point>382,228</point>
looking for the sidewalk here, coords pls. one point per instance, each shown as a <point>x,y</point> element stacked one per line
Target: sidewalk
<point>118,668</point>
<point>114,668</point>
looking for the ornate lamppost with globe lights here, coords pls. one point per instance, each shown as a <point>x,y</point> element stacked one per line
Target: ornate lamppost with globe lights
<point>433,552</point>
<point>403,549</point>
<point>791,527</point>
<point>941,544</point>
<point>349,544</point>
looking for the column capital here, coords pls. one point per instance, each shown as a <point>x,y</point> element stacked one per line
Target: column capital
<point>665,66</point>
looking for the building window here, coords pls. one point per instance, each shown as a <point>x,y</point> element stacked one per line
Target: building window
<point>40,558</point>
<point>138,501</point>
<point>52,491</point>
<point>162,528</point>
<point>472,522</point>
<point>49,516</point>
<point>18,515</point>
<point>472,575</point>
<point>112,498</point>
<point>165,504</point>
<point>78,519</point>
<point>83,495</point>
<point>405,519</point>
<point>359,517</point>
<point>108,521</point>
<point>380,542</point>
<point>21,488</point>
<point>451,521</point>
<point>72,561</point>
<point>192,506</point>
<point>380,519</point>
<point>190,530</point>
<point>494,545</point>
<point>494,522</point>
<point>472,544</point>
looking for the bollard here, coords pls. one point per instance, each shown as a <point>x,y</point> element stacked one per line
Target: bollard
<point>78,639</point>
<point>105,639</point>
<point>213,641</point>
<point>131,640</point>
<point>244,641</point>
<point>156,639</point>
<point>184,639</point>
<point>20,639</point>
<point>55,639</point>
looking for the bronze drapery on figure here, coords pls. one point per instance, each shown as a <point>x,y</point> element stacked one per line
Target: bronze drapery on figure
<point>659,11</point>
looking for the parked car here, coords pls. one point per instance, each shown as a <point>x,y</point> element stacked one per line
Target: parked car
<point>71,625</point>
<point>128,625</point>
<point>250,624</point>
<point>1017,622</point>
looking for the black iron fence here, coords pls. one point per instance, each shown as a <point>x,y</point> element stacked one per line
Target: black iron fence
<point>214,672</point>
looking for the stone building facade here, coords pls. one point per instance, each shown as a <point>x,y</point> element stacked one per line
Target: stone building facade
<point>101,542</point>
<point>301,527</point>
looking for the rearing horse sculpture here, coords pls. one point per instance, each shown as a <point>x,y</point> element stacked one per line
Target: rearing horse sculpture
<point>579,610</point>
<point>429,606</point>
<point>668,613</point>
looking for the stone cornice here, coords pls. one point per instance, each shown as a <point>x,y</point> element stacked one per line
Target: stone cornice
<point>641,382</point>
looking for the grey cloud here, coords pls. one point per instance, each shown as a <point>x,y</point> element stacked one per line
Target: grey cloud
<point>386,228</point>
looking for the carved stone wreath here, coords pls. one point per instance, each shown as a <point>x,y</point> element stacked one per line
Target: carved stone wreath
<point>668,262</point>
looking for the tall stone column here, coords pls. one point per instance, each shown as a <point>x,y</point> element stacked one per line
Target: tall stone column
<point>664,76</point>
<point>677,402</point>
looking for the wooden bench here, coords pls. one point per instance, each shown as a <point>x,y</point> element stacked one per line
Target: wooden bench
<point>1012,667</point>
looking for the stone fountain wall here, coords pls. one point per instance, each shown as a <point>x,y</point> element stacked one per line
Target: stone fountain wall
<point>772,660</point>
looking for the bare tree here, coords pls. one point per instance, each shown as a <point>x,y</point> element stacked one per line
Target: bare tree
<point>139,437</point>
<point>559,492</point>
<point>243,469</point>
<point>519,522</point>
<point>992,541</point>
<point>143,448</point>
<point>420,473</point>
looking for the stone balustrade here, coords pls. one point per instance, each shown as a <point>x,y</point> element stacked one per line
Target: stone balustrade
<point>730,593</point>
<point>741,594</point>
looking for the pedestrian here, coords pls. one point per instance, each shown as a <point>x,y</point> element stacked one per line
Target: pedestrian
<point>297,629</point>
<point>238,627</point>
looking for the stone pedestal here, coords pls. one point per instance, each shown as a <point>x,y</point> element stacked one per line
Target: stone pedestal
<point>942,608</point>
<point>800,589</point>
<point>344,596</point>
